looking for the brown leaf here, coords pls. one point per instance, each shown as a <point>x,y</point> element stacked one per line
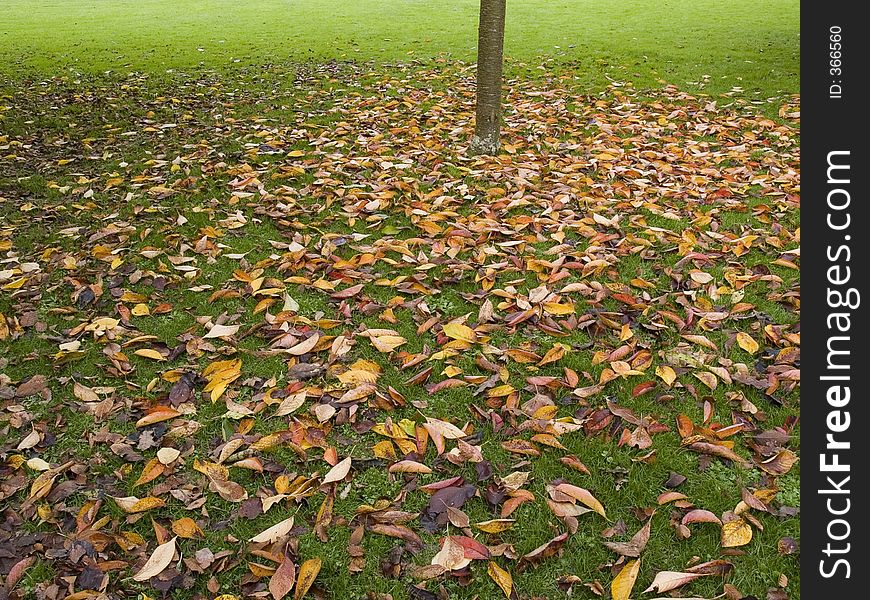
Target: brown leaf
<point>283,579</point>
<point>545,550</point>
<point>636,545</point>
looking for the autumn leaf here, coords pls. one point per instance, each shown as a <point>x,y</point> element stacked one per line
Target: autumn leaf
<point>409,466</point>
<point>745,341</point>
<point>305,346</point>
<point>185,527</point>
<point>636,545</point>
<point>132,504</point>
<point>151,471</point>
<point>157,562</point>
<point>623,583</point>
<point>274,533</point>
<point>221,331</point>
<point>451,556</point>
<point>736,532</point>
<point>700,516</point>
<point>501,577</point>
<point>338,472</point>
<point>459,331</point>
<point>283,579</point>
<point>583,495</point>
<point>495,525</point>
<point>666,581</point>
<point>307,574</point>
<point>255,292</point>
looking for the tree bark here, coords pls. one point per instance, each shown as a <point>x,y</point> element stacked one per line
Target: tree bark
<point>490,51</point>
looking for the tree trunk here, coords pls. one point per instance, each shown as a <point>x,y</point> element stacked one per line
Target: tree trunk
<point>490,48</point>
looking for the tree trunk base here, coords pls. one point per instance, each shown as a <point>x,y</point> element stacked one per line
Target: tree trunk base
<point>488,145</point>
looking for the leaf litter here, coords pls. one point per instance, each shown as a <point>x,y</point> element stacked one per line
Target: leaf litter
<point>253,306</point>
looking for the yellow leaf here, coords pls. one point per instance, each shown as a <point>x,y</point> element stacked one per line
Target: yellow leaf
<point>141,310</point>
<point>132,504</point>
<point>622,585</point>
<point>667,374</point>
<point>736,533</point>
<point>458,331</point>
<point>495,525</point>
<point>501,577</point>
<point>149,353</point>
<point>554,308</point>
<point>152,470</point>
<point>554,354</point>
<point>745,341</point>
<point>307,574</point>
<point>384,449</point>
<point>502,390</point>
<point>185,527</point>
<point>14,285</point>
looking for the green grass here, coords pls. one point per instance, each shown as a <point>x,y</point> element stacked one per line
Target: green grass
<point>719,44</point>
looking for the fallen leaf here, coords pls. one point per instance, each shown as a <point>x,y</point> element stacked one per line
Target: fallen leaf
<point>338,472</point>
<point>501,577</point>
<point>307,574</point>
<point>666,581</point>
<point>620,588</point>
<point>274,533</point>
<point>283,579</point>
<point>158,561</point>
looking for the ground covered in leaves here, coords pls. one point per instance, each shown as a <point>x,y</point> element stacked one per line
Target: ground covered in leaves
<point>273,335</point>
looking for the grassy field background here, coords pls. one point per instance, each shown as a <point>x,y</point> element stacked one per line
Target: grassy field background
<point>751,44</point>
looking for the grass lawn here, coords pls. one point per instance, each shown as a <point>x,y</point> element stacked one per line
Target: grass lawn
<point>221,284</point>
<point>720,44</point>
